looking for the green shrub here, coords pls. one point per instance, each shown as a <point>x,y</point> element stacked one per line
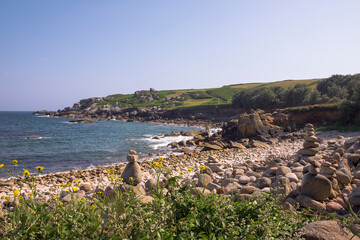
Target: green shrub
<point>173,214</point>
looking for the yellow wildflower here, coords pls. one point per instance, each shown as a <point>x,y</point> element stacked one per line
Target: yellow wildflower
<point>181,173</point>
<point>26,173</point>
<point>7,198</point>
<point>93,207</point>
<point>15,162</point>
<point>19,204</point>
<point>117,179</point>
<point>1,165</point>
<point>75,189</point>
<point>111,178</point>
<point>61,204</point>
<point>16,193</point>
<point>114,170</point>
<point>122,179</point>
<point>68,184</point>
<point>190,169</point>
<point>31,195</point>
<point>62,185</point>
<point>131,178</point>
<point>148,158</point>
<point>76,184</point>
<point>161,158</point>
<point>18,176</point>
<point>202,168</point>
<point>40,169</point>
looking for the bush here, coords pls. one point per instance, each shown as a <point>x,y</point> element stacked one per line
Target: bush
<point>173,214</point>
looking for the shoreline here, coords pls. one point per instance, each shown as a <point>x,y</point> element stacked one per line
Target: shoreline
<point>50,184</point>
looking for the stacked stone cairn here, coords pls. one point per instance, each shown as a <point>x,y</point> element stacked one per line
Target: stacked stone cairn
<point>315,187</point>
<point>311,146</point>
<point>132,173</point>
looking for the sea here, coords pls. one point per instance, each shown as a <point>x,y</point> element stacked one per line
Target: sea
<point>64,146</point>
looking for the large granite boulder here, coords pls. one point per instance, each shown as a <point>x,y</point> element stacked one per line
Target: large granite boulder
<point>325,230</point>
<point>317,187</point>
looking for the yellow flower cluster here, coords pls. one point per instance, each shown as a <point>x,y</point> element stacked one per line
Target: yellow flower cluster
<point>15,162</point>
<point>1,165</point>
<point>131,179</point>
<point>112,178</point>
<point>16,193</point>
<point>26,173</point>
<point>40,169</point>
<point>202,168</point>
<point>75,189</point>
<point>157,164</point>
<point>77,183</point>
<point>190,170</point>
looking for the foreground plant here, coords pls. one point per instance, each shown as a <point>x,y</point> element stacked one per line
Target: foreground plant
<point>174,213</point>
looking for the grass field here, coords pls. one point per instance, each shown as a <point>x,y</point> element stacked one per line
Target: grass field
<point>194,97</point>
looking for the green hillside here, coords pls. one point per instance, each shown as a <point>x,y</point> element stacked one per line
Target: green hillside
<point>193,97</point>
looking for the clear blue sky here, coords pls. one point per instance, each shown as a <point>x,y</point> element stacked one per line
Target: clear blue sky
<point>54,53</point>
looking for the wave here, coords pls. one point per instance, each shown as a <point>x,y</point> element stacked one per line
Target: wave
<point>41,116</point>
<point>163,141</point>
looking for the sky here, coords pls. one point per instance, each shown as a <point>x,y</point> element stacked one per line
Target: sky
<point>54,53</point>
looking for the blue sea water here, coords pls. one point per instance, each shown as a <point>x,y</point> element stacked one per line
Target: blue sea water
<point>64,146</point>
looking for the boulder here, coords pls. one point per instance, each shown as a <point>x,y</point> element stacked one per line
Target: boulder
<point>204,180</point>
<point>244,179</point>
<point>248,190</point>
<point>343,176</point>
<point>282,171</point>
<point>86,187</point>
<point>281,186</point>
<point>325,230</point>
<point>317,187</point>
<point>310,203</point>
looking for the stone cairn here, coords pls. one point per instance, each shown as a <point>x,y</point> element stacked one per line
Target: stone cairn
<point>314,186</point>
<point>132,173</point>
<point>311,146</point>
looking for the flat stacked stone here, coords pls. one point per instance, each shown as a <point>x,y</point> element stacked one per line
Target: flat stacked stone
<point>310,145</point>
<point>328,170</point>
<point>214,165</point>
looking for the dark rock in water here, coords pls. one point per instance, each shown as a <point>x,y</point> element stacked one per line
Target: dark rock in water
<point>34,137</point>
<point>81,121</point>
<point>325,230</point>
<point>317,187</point>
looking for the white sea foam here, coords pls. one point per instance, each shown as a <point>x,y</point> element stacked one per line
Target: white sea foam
<point>41,116</point>
<point>163,141</point>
